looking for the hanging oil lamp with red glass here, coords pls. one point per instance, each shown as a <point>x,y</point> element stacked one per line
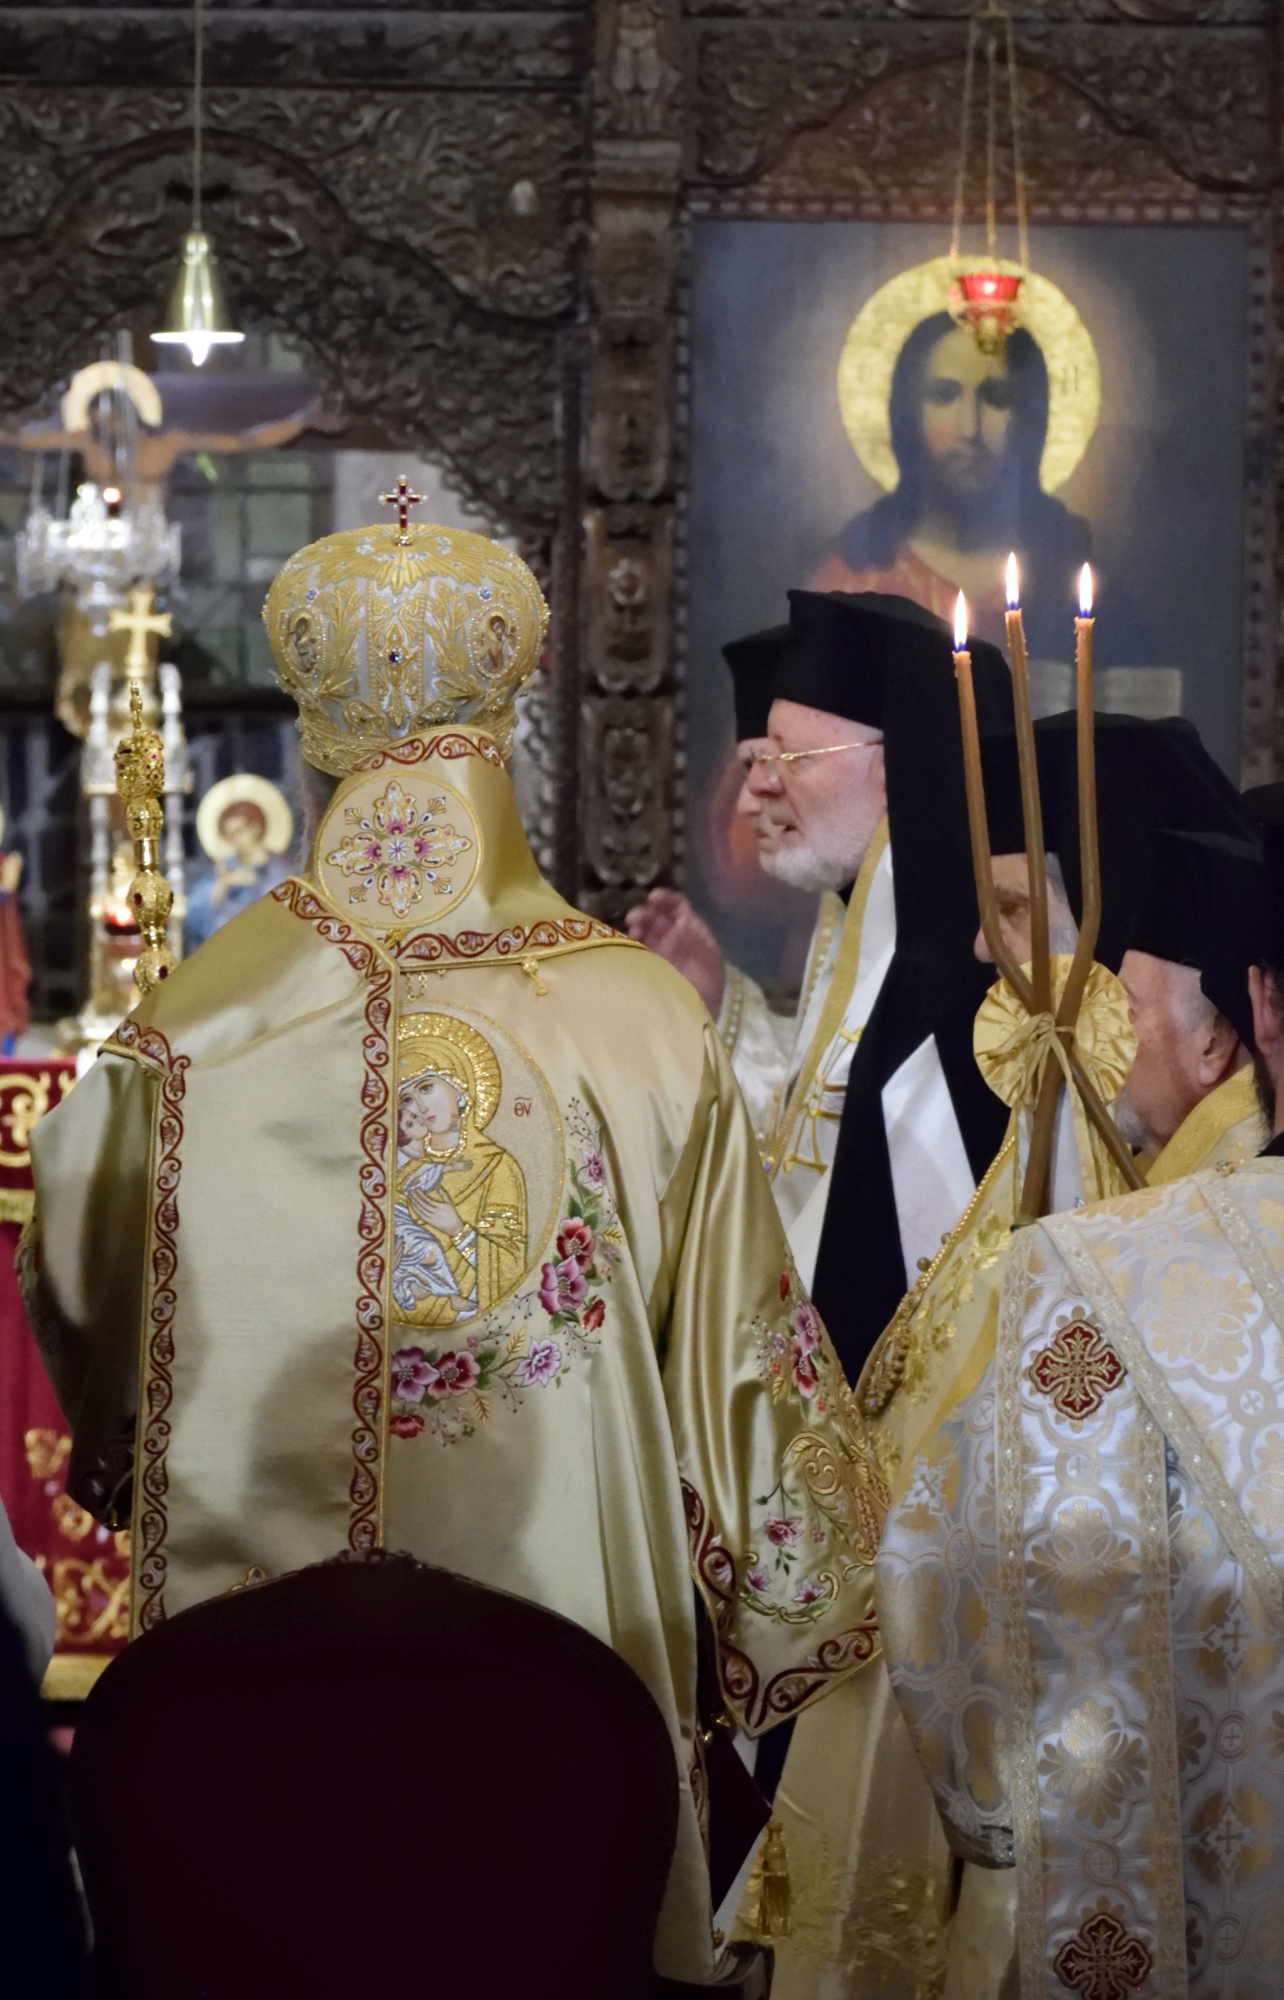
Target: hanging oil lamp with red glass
<point>985,291</point>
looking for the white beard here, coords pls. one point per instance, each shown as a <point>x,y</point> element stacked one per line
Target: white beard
<point>814,867</point>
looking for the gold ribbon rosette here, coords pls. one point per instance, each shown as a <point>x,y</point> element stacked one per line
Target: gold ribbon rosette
<point>1012,1047</point>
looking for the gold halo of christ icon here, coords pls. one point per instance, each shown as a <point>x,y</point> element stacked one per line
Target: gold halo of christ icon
<point>968,446</point>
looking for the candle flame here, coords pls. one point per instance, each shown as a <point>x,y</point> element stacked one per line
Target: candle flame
<point>1013,584</point>
<point>1085,592</point>
<point>960,624</point>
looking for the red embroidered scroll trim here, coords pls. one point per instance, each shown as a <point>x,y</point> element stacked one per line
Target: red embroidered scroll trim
<point>788,1691</point>
<point>151,1516</point>
<point>516,942</point>
<point>451,744</point>
<point>372,1229</point>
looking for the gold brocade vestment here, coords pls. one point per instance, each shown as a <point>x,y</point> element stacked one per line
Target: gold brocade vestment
<point>444,1227</point>
<point>1092,1675</point>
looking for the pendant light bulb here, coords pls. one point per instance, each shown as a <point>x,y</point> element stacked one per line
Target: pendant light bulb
<point>197,317</point>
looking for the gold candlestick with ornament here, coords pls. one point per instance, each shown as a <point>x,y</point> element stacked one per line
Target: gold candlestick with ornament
<point>1033,1197</point>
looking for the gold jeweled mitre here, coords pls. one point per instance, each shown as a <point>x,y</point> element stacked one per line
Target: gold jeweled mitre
<point>379,635</point>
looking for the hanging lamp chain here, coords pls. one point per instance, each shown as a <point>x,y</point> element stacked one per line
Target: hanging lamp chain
<point>1018,164</point>
<point>197,109</point>
<point>990,17</point>
<point>991,137</point>
<point>960,181</point>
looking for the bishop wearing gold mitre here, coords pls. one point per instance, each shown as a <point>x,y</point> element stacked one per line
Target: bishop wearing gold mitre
<point>1093,1673</point>
<point>438,1216</point>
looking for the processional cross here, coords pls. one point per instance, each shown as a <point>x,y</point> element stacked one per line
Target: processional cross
<point>140,621</point>
<point>403,500</point>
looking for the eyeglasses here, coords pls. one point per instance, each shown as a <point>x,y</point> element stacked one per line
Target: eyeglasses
<point>753,757</point>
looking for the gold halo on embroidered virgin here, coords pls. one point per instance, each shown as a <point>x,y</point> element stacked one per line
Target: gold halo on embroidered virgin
<point>885,322</point>
<point>441,1045</point>
<point>398,849</point>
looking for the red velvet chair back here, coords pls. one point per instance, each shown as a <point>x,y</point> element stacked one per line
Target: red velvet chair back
<point>371,1777</point>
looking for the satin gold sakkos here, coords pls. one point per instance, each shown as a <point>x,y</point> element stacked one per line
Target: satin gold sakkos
<point>380,634</point>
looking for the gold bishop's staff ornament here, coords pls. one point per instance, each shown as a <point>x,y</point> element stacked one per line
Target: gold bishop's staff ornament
<point>140,780</point>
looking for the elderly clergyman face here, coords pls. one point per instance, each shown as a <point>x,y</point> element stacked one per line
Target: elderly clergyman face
<point>815,790</point>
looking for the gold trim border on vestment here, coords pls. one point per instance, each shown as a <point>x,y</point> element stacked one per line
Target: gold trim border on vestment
<point>842,984</point>
<point>370,1357</point>
<point>1032,1924</point>
<point>1161,1417</point>
<point>149,1565</point>
<point>1163,1860</point>
<point>1213,1118</point>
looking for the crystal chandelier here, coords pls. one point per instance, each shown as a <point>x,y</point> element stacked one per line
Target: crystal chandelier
<point>99,550</point>
<point>985,294</point>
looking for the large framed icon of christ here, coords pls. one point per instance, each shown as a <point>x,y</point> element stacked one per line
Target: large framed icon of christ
<point>844,433</point>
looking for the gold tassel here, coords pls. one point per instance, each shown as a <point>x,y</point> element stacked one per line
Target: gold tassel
<point>773,1899</point>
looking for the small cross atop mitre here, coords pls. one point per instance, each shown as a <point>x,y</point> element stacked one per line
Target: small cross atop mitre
<point>403,500</point>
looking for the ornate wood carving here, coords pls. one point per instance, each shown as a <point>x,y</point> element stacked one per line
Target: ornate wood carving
<point>414,46</point>
<point>627,612</point>
<point>759,85</point>
<point>388,243</point>
<point>401,186</point>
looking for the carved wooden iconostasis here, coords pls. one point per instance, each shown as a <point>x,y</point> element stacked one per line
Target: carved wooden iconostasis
<point>481,228</point>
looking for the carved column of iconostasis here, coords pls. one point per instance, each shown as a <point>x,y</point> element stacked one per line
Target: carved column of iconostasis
<point>627,730</point>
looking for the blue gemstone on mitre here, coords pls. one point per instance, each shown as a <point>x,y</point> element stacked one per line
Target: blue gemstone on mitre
<point>485,592</point>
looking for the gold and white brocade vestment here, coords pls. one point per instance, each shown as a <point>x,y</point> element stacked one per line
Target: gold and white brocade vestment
<point>1081,1592</point>
<point>438,1218</point>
